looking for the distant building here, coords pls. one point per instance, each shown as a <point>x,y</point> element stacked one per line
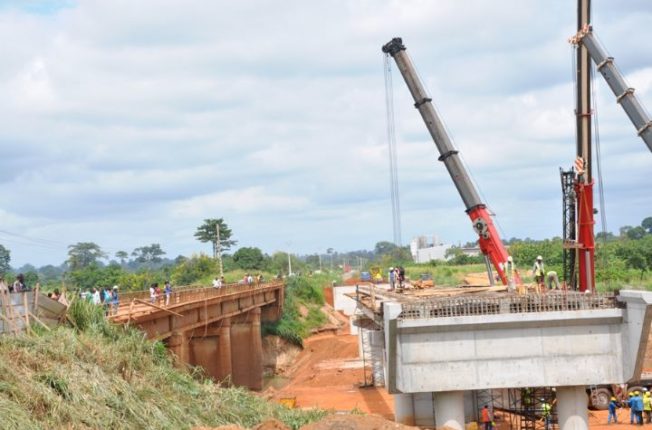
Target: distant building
<point>424,251</point>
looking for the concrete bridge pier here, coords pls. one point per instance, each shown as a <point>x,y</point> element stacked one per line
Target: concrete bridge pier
<point>178,343</point>
<point>571,406</point>
<point>247,351</point>
<point>449,409</point>
<point>404,409</point>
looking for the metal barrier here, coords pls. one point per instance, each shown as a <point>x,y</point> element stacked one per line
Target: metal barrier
<point>190,294</point>
<point>506,304</point>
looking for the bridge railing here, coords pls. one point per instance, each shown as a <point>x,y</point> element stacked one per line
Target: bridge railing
<point>183,295</point>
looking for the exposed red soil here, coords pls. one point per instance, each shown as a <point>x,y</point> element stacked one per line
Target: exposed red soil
<point>328,374</point>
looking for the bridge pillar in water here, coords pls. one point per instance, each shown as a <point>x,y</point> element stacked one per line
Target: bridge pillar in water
<point>247,351</point>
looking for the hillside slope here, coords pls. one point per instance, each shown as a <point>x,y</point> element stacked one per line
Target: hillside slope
<point>102,376</point>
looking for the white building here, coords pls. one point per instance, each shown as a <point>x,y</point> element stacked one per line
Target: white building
<point>422,251</point>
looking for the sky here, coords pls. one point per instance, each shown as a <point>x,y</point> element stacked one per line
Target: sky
<point>128,123</point>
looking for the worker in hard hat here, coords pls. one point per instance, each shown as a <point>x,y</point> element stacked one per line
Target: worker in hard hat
<point>637,408</point>
<point>546,412</point>
<point>647,406</point>
<point>538,271</point>
<point>613,405</point>
<point>630,404</point>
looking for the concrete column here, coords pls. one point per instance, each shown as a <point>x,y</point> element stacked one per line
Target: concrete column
<point>572,405</point>
<point>404,409</point>
<point>449,410</point>
<point>247,351</point>
<point>224,351</point>
<point>256,380</point>
<point>178,344</point>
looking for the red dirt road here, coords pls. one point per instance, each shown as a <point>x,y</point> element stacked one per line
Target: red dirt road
<point>328,374</point>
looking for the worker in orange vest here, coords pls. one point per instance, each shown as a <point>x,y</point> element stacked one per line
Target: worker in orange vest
<point>486,418</point>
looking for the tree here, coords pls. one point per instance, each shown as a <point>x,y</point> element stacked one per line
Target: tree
<point>148,254</point>
<point>122,256</point>
<point>84,254</point>
<point>249,258</point>
<point>5,258</point>
<point>207,232</point>
<point>384,247</point>
<point>647,224</point>
<point>636,233</point>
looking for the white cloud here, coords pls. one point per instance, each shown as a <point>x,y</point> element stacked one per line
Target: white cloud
<point>127,123</point>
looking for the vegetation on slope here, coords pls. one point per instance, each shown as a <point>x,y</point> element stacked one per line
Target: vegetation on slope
<point>104,376</point>
<point>304,297</point>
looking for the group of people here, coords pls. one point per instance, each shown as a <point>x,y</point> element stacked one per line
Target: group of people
<point>155,292</point>
<point>106,297</point>
<point>396,276</point>
<point>640,407</point>
<point>543,279</point>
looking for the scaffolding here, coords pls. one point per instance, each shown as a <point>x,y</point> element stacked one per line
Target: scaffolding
<point>519,408</point>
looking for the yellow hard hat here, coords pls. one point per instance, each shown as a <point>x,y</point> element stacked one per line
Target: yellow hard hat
<point>613,398</point>
<point>631,394</point>
<point>636,393</point>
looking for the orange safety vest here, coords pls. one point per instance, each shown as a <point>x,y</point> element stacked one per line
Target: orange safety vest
<point>485,415</point>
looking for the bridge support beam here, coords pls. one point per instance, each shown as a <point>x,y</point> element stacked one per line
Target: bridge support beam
<point>225,368</point>
<point>247,351</point>
<point>572,411</point>
<point>404,409</point>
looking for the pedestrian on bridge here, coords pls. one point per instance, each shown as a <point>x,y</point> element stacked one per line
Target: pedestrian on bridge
<point>115,300</point>
<point>168,292</point>
<point>152,293</point>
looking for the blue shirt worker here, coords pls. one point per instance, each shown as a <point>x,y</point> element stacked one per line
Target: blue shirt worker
<point>613,404</point>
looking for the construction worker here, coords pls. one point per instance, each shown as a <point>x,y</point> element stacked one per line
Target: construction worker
<point>486,418</point>
<point>613,404</point>
<point>392,279</point>
<point>637,408</point>
<point>538,271</point>
<point>552,279</point>
<point>632,409</point>
<point>647,406</point>
<point>546,412</point>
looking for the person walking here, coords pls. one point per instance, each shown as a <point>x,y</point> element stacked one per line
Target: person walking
<point>632,409</point>
<point>19,284</point>
<point>538,271</point>
<point>486,418</point>
<point>152,293</point>
<point>613,404</point>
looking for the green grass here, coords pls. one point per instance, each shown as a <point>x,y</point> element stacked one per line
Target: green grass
<point>300,291</point>
<point>105,376</point>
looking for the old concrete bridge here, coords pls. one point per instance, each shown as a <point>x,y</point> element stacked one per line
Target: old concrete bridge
<point>217,329</point>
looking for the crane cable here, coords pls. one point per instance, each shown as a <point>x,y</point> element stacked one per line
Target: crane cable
<point>391,141</point>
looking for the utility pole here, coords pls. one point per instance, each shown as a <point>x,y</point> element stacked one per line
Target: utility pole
<point>218,248</point>
<point>289,264</point>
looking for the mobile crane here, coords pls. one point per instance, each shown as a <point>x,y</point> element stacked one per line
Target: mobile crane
<point>490,243</point>
<point>577,186</point>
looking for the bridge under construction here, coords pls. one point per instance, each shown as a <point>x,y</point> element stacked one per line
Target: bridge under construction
<point>445,356</point>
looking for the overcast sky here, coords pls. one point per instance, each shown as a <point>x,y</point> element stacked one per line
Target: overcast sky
<point>127,123</point>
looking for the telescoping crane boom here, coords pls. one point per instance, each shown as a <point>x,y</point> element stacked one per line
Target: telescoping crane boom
<point>624,94</point>
<point>490,244</point>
